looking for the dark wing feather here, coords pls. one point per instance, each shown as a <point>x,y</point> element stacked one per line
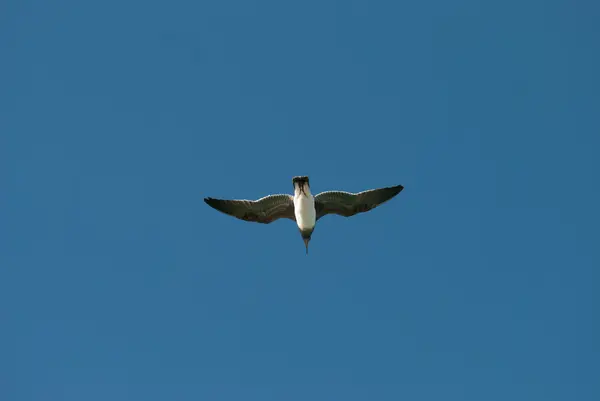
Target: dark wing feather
<point>264,210</point>
<point>348,204</point>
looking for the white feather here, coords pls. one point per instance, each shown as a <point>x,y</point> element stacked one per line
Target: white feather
<point>304,208</point>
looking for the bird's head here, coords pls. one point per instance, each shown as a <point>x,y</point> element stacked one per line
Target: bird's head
<point>306,234</point>
<point>301,184</point>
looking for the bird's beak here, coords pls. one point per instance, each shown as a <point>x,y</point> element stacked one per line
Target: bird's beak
<point>306,244</point>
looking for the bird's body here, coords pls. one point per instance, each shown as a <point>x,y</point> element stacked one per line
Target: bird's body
<point>304,208</point>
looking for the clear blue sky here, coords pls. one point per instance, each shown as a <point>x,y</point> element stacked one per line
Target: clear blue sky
<point>476,283</point>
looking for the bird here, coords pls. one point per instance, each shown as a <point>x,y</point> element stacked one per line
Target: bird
<point>302,207</point>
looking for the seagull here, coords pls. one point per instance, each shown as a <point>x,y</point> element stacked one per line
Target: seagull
<point>302,207</point>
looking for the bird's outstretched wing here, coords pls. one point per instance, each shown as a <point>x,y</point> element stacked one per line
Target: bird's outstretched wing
<point>348,204</point>
<point>264,210</point>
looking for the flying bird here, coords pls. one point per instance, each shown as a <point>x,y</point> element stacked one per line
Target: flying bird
<point>302,207</point>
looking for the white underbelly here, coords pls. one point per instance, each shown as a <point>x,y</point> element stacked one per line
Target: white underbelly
<point>304,209</point>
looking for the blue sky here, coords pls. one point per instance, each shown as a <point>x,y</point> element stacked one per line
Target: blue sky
<point>475,283</point>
